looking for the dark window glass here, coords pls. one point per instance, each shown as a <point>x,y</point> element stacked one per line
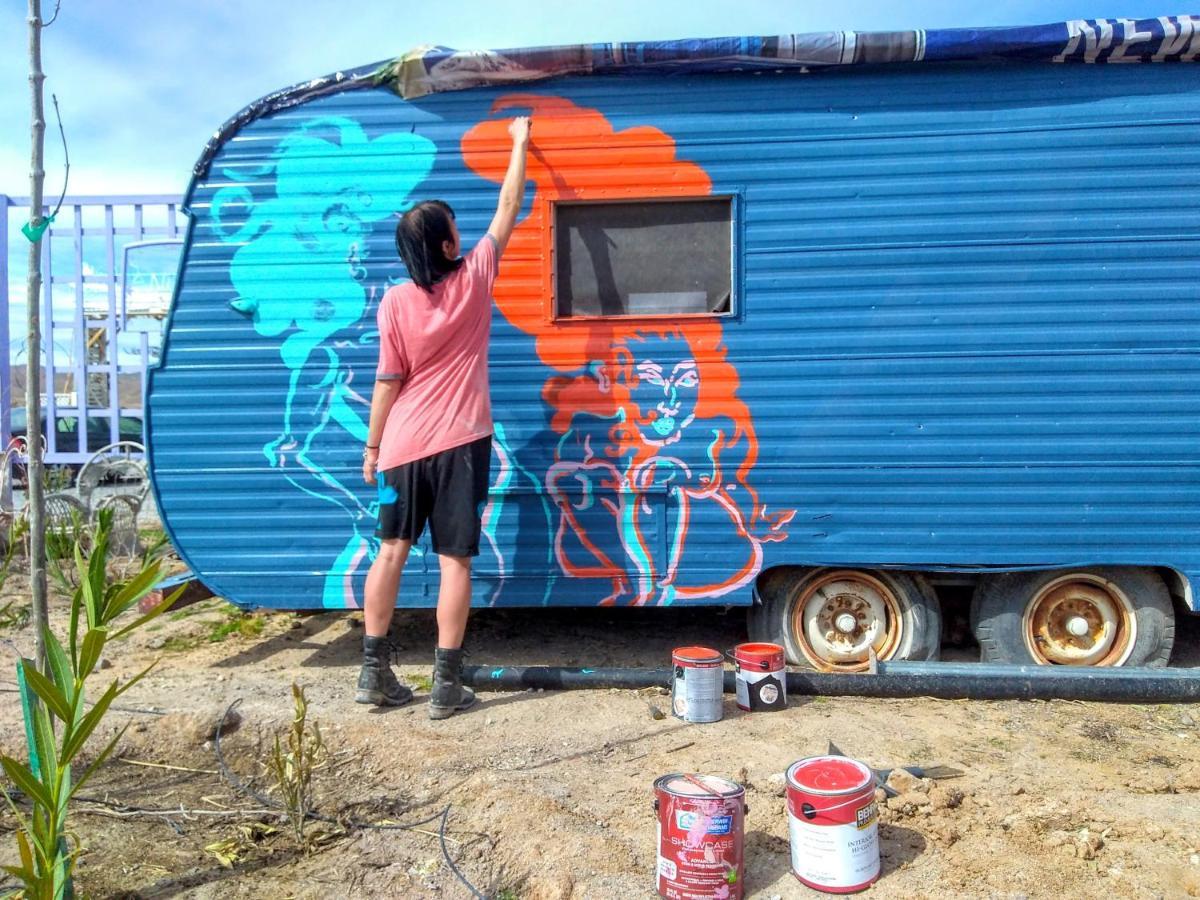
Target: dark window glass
<point>66,429</point>
<point>643,258</point>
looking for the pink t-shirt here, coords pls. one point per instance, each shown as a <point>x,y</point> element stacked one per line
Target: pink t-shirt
<point>437,343</point>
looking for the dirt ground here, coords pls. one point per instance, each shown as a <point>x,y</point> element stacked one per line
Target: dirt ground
<point>549,794</point>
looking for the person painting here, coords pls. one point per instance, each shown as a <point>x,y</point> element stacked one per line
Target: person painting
<point>429,443</point>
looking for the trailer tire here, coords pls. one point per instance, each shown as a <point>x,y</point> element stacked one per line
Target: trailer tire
<point>910,628</point>
<point>1025,618</point>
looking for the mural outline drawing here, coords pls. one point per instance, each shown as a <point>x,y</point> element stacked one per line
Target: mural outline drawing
<point>320,217</point>
<point>647,412</point>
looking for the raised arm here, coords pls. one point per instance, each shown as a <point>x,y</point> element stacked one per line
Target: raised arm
<point>512,191</point>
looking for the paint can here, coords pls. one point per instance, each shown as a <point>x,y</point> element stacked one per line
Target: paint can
<point>761,677</point>
<point>697,684</point>
<point>700,833</point>
<point>833,823</point>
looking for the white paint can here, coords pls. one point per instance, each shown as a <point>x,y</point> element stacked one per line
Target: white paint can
<point>833,823</point>
<point>697,684</point>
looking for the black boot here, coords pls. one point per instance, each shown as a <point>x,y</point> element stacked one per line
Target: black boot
<point>448,695</point>
<point>376,682</point>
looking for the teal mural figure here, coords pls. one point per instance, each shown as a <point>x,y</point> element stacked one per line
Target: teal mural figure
<point>331,184</point>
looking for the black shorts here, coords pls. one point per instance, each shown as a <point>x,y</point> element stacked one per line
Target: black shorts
<point>448,490</point>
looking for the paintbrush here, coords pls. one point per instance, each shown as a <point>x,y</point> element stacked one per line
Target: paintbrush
<point>935,772</point>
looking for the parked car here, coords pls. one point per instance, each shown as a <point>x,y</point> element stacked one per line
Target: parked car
<point>66,433</point>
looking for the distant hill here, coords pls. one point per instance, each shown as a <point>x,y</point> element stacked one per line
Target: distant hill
<point>130,386</point>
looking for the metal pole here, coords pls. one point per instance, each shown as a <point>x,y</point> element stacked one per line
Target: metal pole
<point>33,400</point>
<point>6,363</point>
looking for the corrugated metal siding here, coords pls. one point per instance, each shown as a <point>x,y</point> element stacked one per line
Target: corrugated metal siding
<point>968,332</point>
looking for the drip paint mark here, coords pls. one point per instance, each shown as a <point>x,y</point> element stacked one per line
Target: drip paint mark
<point>655,440</point>
<point>326,200</point>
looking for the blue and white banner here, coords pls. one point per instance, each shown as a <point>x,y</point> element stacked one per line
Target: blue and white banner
<point>431,70</point>
<point>428,70</point>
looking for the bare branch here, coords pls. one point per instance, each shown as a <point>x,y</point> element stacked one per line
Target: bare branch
<point>66,156</point>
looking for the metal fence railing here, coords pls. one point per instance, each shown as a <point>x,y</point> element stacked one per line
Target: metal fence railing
<point>108,265</point>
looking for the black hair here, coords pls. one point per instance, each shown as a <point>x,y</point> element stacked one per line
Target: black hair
<point>419,236</point>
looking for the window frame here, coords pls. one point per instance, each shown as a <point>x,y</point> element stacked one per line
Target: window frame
<point>735,233</point>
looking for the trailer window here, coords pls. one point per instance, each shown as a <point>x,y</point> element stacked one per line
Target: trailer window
<point>643,258</point>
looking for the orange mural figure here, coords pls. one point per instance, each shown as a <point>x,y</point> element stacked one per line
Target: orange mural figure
<point>651,475</point>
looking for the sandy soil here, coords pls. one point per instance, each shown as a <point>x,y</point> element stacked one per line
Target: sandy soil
<point>550,793</point>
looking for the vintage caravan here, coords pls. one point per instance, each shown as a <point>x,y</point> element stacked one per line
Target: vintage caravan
<point>813,324</point>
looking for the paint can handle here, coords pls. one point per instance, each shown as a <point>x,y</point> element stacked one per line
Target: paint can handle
<point>737,665</point>
<point>811,812</point>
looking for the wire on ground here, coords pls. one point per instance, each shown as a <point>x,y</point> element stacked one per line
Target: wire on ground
<point>239,784</point>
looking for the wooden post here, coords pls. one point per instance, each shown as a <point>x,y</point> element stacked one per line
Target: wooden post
<point>33,398</point>
<point>6,499</point>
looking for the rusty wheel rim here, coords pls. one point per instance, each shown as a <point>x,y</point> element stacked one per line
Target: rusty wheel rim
<point>1080,620</point>
<point>838,618</point>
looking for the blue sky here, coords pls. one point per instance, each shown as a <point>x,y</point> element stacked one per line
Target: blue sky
<point>142,86</point>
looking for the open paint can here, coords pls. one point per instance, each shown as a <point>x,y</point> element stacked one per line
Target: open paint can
<point>701,821</point>
<point>833,823</point>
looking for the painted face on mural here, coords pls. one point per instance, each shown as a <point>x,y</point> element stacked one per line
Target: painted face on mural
<point>328,237</point>
<point>664,388</point>
<point>625,396</point>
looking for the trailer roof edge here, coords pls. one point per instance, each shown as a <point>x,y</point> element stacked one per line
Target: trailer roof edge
<point>428,70</point>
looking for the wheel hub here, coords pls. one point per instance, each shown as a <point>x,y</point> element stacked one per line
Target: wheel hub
<point>1077,626</point>
<point>846,623</point>
<point>1080,620</point>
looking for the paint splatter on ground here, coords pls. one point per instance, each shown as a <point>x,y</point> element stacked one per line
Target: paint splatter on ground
<point>551,792</point>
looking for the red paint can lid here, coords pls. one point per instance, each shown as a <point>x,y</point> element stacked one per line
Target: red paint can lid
<point>697,654</point>
<point>759,656</point>
<point>829,775</point>
<point>709,785</point>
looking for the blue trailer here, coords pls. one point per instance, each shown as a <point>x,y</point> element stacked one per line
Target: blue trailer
<point>813,324</point>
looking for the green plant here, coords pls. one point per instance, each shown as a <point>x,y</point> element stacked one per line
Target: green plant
<point>57,478</point>
<point>421,683</point>
<point>243,624</point>
<point>180,643</point>
<point>188,611</point>
<point>59,722</point>
<point>246,838</point>
<point>64,538</point>
<point>15,534</point>
<point>155,544</point>
<point>293,761</point>
<point>14,615</point>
